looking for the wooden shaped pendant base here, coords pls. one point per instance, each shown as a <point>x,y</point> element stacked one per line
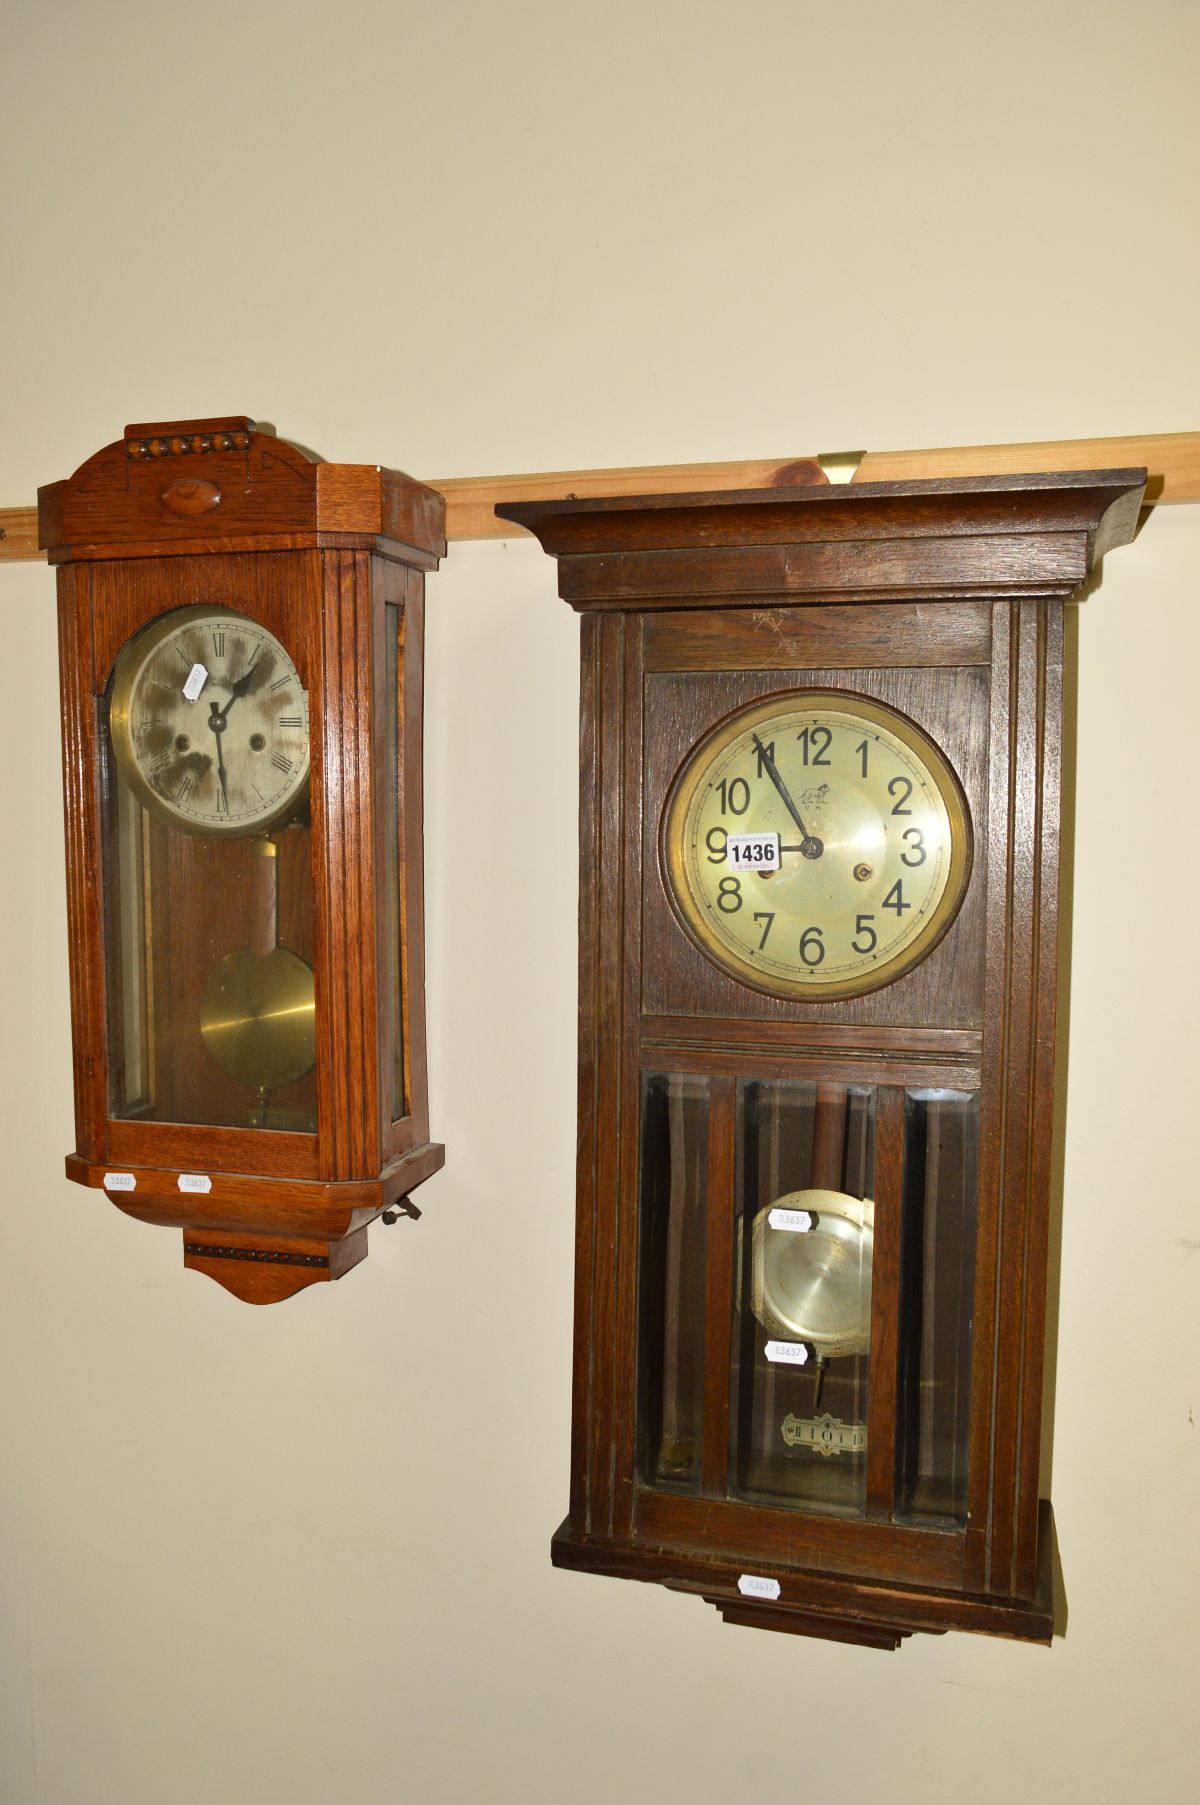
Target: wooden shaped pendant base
<point>809,1623</point>
<point>265,1269</point>
<point>264,1239</point>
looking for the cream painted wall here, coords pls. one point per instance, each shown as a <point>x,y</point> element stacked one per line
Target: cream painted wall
<point>300,1555</point>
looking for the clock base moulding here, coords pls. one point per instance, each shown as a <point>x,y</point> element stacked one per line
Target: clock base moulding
<point>826,1605</point>
<point>304,1233</point>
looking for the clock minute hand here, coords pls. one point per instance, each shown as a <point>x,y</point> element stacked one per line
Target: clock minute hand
<point>216,720</point>
<point>810,846</point>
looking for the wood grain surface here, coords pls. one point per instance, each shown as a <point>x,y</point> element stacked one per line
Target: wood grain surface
<point>329,559</point>
<point>1172,460</point>
<point>944,601</point>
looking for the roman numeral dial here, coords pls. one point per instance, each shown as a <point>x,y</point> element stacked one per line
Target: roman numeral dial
<point>209,723</point>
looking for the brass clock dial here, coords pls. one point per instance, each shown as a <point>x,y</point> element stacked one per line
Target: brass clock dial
<point>209,722</point>
<point>816,845</point>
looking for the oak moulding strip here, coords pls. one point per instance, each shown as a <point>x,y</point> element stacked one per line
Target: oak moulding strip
<point>1172,459</point>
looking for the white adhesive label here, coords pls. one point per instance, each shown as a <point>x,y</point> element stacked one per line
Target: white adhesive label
<point>750,1585</point>
<point>197,677</point>
<point>195,1181</point>
<point>120,1181</point>
<point>786,1353</point>
<point>796,1222</point>
<point>753,852</point>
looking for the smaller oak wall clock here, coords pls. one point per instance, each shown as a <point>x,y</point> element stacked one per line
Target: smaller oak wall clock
<point>821,770</point>
<point>241,652</point>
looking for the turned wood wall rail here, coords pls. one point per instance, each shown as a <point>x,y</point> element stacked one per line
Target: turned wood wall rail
<point>1172,459</point>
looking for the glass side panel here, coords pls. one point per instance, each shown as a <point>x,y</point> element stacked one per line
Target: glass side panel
<point>671,1269</point>
<point>804,1175</point>
<point>393,861</point>
<point>937,1286</point>
<point>207,877</point>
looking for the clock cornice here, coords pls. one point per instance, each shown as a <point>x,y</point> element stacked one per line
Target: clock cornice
<point>936,540</point>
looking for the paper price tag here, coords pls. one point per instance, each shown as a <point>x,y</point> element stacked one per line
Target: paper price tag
<point>787,1353</point>
<point>195,1181</point>
<point>796,1222</point>
<point>751,1585</point>
<point>753,852</point>
<point>120,1181</point>
<point>197,677</point>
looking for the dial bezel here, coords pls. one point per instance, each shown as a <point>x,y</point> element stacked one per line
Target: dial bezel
<point>691,775</point>
<point>128,667</point>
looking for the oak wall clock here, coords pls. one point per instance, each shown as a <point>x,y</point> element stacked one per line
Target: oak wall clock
<point>821,772</point>
<point>241,648</point>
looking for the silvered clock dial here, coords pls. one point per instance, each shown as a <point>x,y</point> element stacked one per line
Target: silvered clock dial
<point>209,722</point>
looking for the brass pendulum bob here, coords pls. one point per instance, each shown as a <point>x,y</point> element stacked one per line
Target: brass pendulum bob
<point>258,1010</point>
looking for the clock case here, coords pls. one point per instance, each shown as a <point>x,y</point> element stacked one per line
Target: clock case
<point>945,599</point>
<point>328,558</point>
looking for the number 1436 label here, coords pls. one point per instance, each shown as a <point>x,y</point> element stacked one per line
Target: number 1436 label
<point>753,852</point>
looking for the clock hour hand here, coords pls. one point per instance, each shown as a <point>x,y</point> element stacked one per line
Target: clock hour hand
<point>238,689</point>
<point>810,847</point>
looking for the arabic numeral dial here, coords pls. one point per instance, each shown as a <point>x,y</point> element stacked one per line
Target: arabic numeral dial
<point>816,845</point>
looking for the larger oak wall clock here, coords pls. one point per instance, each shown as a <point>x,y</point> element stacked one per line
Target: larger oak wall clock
<point>821,772</point>
<point>241,643</point>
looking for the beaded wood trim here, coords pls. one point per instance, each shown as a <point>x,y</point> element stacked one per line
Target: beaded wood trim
<point>267,1255</point>
<point>185,445</point>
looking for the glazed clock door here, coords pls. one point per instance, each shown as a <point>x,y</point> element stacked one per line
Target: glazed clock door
<point>805,1392</point>
<point>205,731</point>
<point>806,1204</point>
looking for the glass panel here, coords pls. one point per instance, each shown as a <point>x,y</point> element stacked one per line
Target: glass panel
<point>208,877</point>
<point>393,865</point>
<point>673,1212</point>
<point>128,967</point>
<point>805,1174</point>
<point>937,1283</point>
